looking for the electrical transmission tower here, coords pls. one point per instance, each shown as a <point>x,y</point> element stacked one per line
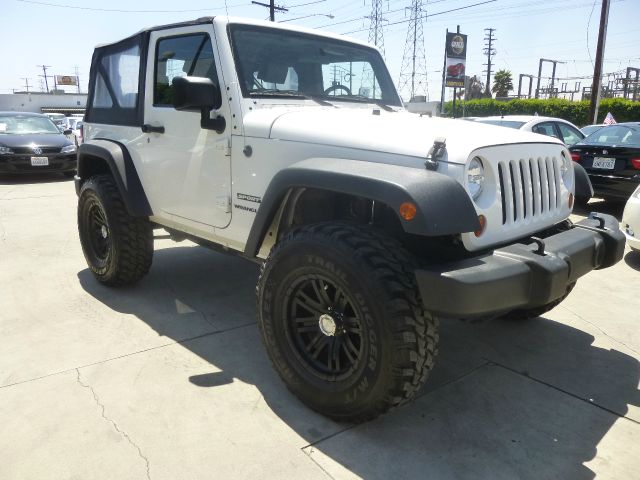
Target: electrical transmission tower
<point>489,51</point>
<point>413,73</point>
<point>377,38</point>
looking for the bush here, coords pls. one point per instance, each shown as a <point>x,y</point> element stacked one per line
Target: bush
<point>575,112</point>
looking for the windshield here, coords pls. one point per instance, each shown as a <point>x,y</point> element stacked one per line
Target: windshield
<point>502,123</point>
<point>614,135</point>
<point>24,125</point>
<point>279,63</point>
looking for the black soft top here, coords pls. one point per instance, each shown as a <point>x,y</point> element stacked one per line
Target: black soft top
<point>188,23</point>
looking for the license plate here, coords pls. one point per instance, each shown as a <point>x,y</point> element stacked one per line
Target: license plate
<point>39,161</point>
<point>604,162</point>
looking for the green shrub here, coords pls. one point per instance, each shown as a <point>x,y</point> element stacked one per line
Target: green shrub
<point>575,112</point>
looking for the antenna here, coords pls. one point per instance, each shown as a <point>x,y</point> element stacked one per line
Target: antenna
<point>413,73</point>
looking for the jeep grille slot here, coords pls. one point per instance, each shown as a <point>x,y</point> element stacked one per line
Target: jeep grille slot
<point>529,188</point>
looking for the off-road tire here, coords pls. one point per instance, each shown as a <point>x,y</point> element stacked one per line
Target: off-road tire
<point>120,253</point>
<point>397,339</point>
<point>527,314</point>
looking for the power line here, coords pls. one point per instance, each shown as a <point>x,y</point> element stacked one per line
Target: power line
<point>429,15</point>
<point>44,70</point>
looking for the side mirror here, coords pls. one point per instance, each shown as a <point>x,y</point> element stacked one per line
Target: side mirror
<point>67,132</point>
<point>194,94</point>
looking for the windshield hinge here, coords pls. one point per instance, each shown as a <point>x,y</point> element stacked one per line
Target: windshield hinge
<point>436,153</point>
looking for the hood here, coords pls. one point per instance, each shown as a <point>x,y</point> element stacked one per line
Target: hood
<point>54,140</point>
<point>400,133</point>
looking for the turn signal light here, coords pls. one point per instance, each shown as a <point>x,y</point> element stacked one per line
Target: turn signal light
<point>483,225</point>
<point>636,163</point>
<point>575,156</point>
<point>408,211</point>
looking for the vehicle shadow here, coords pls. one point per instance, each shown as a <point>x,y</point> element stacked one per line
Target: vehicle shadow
<point>33,178</point>
<point>499,390</point>
<point>632,259</point>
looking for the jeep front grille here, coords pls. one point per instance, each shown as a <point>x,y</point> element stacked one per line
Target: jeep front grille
<point>529,188</point>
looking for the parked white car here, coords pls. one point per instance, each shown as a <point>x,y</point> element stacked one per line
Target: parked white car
<point>553,127</point>
<point>631,220</point>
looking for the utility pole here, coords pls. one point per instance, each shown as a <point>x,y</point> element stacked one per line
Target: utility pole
<point>44,70</point>
<point>26,83</point>
<point>272,9</point>
<point>489,51</point>
<point>597,70</point>
<point>414,62</point>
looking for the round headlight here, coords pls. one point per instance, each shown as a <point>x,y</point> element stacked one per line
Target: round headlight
<point>475,177</point>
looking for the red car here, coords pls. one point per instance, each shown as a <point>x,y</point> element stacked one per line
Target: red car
<point>455,70</point>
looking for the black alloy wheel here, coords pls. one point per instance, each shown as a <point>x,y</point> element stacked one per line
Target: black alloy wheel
<point>324,327</point>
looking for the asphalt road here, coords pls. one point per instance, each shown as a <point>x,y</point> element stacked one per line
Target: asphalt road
<point>169,380</point>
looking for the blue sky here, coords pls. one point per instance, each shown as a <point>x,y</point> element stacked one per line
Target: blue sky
<point>62,33</point>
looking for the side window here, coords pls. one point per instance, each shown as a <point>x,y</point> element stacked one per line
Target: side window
<point>545,128</point>
<point>187,55</point>
<point>115,84</point>
<point>570,135</point>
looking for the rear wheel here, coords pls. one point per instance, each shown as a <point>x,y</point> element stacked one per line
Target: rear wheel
<point>118,247</point>
<point>342,321</point>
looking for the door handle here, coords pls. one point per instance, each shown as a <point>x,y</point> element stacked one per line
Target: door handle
<point>146,128</point>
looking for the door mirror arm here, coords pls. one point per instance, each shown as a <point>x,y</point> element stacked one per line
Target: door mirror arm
<point>206,122</point>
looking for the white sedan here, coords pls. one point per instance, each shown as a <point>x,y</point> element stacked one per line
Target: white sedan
<point>631,220</point>
<point>553,127</point>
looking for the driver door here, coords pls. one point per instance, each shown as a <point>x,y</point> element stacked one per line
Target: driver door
<point>187,168</point>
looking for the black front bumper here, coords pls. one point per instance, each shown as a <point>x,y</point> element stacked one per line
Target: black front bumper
<point>517,276</point>
<point>58,162</point>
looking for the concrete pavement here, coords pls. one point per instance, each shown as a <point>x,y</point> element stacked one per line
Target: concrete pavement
<point>168,379</point>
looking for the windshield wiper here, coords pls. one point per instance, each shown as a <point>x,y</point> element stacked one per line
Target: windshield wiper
<point>274,92</point>
<point>363,99</point>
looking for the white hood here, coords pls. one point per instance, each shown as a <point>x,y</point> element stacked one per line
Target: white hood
<point>400,133</point>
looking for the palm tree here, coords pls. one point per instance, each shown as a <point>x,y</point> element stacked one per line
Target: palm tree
<point>502,83</point>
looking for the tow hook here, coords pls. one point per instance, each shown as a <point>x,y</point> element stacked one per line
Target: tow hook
<point>436,153</point>
<point>595,216</point>
<point>540,243</point>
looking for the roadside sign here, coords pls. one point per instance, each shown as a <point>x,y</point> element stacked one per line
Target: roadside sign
<point>456,59</point>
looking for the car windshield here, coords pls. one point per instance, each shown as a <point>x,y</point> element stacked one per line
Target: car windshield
<point>502,123</point>
<point>24,125</point>
<point>280,63</point>
<point>614,135</point>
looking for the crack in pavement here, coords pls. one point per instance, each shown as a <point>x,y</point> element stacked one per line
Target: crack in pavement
<point>115,425</point>
<point>600,329</point>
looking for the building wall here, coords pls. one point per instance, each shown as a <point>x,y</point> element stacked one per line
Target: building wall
<point>35,102</point>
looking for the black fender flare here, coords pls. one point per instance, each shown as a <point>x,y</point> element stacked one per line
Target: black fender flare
<point>443,205</point>
<point>121,166</point>
<point>584,189</point>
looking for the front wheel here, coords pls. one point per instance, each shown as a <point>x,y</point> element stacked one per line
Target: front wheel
<point>118,247</point>
<point>342,321</point>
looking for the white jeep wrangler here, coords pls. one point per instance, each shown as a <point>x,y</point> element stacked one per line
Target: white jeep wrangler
<point>291,147</point>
